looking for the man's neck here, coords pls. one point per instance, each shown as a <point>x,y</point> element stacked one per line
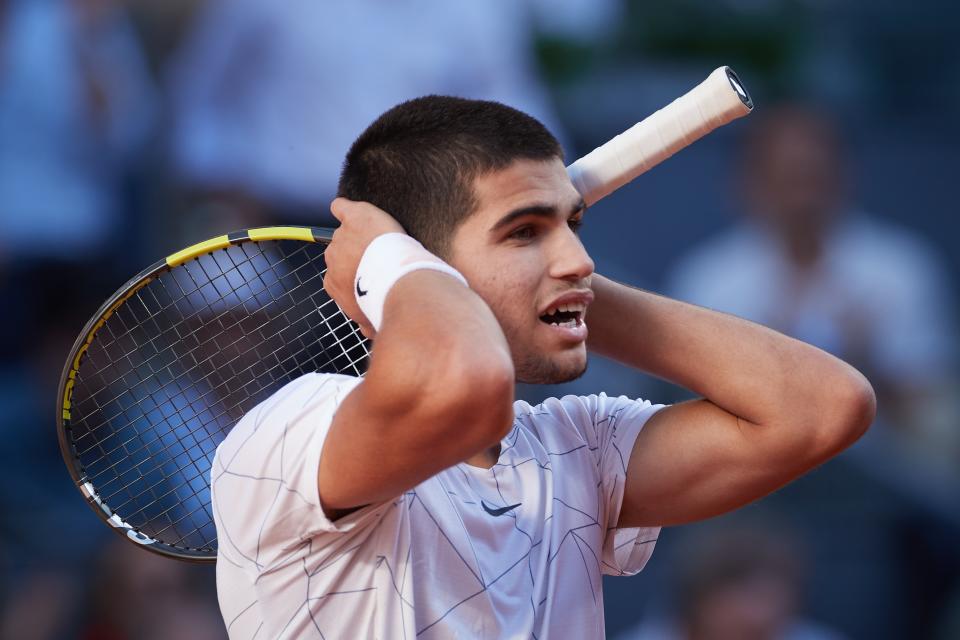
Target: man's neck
<point>486,458</point>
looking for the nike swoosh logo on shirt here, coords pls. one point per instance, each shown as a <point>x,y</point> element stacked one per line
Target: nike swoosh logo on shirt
<point>360,292</point>
<point>500,511</point>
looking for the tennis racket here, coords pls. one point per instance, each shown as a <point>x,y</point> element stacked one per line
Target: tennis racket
<point>167,366</point>
<point>716,101</point>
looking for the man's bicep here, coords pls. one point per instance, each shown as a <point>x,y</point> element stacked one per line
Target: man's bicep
<point>372,454</point>
<point>378,446</point>
<point>357,463</point>
<point>695,460</point>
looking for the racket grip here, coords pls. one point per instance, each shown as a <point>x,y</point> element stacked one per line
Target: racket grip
<point>716,101</point>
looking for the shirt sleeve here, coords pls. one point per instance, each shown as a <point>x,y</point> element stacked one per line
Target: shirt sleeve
<point>264,476</point>
<point>610,427</point>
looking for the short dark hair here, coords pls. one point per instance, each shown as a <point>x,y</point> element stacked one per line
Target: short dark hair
<point>418,160</point>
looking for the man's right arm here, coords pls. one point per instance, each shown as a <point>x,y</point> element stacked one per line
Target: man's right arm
<point>439,389</point>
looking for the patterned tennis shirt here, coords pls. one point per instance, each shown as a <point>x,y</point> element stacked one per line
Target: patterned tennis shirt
<point>514,551</point>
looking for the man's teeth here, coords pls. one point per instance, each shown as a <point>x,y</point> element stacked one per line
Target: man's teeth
<point>575,307</point>
<point>569,324</point>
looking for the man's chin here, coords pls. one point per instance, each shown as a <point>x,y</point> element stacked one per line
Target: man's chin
<point>546,371</point>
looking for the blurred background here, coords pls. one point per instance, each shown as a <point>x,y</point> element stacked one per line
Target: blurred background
<point>131,128</point>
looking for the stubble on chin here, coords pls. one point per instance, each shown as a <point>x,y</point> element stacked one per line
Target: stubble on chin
<point>539,370</point>
<point>532,366</point>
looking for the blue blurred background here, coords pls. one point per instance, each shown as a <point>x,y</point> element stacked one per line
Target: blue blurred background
<point>131,128</point>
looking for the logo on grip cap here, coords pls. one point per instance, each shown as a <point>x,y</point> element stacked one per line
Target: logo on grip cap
<point>739,88</point>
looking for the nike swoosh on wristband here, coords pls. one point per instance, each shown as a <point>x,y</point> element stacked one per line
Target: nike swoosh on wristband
<point>500,511</point>
<point>360,292</point>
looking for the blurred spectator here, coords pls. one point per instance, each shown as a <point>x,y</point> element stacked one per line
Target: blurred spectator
<point>266,100</point>
<point>138,595</point>
<point>47,532</point>
<point>949,626</point>
<point>806,263</point>
<point>736,583</point>
<point>75,103</point>
<point>162,26</point>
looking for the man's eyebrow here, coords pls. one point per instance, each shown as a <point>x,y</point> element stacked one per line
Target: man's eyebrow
<point>536,210</point>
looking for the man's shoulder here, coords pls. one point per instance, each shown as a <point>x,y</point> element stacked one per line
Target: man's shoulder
<point>318,394</point>
<point>582,415</point>
<point>573,405</point>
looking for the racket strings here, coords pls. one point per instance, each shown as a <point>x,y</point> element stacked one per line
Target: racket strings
<point>162,496</point>
<point>196,442</point>
<point>188,480</point>
<point>353,364</point>
<point>200,363</point>
<point>197,364</point>
<point>183,322</point>
<point>180,393</point>
<point>175,366</point>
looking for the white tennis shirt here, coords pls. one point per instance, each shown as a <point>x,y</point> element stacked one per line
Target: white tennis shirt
<point>514,551</point>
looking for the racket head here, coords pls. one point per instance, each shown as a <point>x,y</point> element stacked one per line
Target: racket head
<point>167,366</point>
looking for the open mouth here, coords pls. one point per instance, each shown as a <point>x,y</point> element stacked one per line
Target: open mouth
<point>566,315</point>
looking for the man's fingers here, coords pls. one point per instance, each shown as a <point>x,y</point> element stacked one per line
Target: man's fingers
<point>337,208</point>
<point>370,218</point>
<point>342,207</point>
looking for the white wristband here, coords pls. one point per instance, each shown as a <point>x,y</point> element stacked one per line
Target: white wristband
<point>387,259</point>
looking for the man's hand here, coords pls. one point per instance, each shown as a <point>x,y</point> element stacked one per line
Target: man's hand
<point>360,223</point>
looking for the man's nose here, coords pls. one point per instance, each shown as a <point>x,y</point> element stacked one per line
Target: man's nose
<point>571,260</point>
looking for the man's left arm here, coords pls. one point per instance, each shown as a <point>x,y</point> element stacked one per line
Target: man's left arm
<point>772,407</point>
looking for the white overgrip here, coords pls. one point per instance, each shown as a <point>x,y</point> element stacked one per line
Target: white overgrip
<point>714,102</point>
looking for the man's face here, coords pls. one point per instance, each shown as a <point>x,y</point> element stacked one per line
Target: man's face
<point>519,251</point>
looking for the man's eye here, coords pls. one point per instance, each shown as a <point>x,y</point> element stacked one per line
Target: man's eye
<point>575,224</point>
<point>523,233</point>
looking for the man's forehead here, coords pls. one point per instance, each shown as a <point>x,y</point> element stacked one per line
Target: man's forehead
<point>525,182</point>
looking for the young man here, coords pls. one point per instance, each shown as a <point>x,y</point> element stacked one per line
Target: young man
<point>422,501</point>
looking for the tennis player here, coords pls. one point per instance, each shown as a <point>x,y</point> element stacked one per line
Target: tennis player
<point>422,500</point>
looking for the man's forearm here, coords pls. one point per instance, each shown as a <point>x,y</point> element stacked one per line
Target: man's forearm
<point>745,368</point>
